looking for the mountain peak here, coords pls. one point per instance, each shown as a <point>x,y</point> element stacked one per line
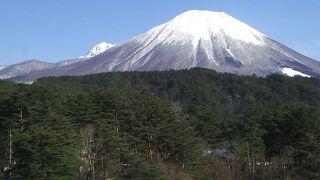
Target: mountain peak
<point>98,49</point>
<point>207,13</point>
<point>204,25</point>
<point>32,61</point>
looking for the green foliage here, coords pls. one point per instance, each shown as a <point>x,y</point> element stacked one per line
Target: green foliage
<point>188,124</point>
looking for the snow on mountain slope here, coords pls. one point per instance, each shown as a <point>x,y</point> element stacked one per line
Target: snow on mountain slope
<point>291,72</point>
<point>69,62</point>
<point>212,40</point>
<point>98,49</point>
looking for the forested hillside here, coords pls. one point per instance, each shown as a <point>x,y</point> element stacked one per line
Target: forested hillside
<point>187,124</point>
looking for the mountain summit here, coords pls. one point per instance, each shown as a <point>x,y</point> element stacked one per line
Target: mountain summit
<point>98,49</point>
<point>213,40</point>
<point>203,25</point>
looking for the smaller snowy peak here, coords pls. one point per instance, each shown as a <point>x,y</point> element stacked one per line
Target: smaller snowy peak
<point>291,72</point>
<point>2,67</point>
<point>98,49</point>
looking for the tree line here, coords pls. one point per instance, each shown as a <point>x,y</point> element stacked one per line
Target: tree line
<point>187,124</point>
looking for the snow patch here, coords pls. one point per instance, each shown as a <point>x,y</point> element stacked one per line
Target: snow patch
<point>291,72</point>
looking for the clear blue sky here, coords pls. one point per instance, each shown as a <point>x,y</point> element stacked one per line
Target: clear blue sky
<point>53,30</point>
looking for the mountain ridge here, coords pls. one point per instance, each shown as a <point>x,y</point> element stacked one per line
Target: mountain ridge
<point>30,66</point>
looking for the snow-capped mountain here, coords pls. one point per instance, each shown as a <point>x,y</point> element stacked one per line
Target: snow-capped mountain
<point>98,49</point>
<point>195,38</point>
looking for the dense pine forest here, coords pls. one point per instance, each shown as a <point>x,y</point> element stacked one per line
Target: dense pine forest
<point>187,124</point>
